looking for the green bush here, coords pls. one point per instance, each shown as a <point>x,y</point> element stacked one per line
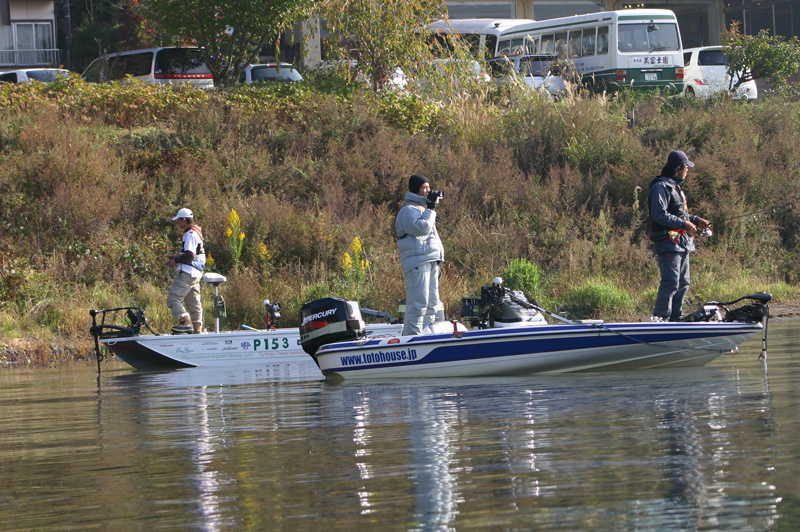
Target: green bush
<point>550,194</point>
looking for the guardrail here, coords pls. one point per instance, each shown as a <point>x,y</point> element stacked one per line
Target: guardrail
<point>30,58</point>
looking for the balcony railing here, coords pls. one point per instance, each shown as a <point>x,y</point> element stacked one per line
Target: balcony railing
<point>30,58</point>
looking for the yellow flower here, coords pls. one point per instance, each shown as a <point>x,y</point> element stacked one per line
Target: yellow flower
<point>356,247</point>
<point>347,262</point>
<point>233,219</point>
<point>228,232</point>
<point>263,252</point>
<point>209,260</point>
<point>364,265</point>
<point>241,236</point>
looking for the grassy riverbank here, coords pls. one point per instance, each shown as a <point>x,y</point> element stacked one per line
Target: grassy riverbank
<point>91,176</point>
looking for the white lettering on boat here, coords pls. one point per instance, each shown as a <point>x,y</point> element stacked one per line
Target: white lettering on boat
<point>378,357</point>
<point>318,315</point>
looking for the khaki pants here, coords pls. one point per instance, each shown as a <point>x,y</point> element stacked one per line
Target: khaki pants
<point>185,289</point>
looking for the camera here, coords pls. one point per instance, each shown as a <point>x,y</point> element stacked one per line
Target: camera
<point>435,195</point>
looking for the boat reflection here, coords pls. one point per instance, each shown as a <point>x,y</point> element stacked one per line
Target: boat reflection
<point>274,371</point>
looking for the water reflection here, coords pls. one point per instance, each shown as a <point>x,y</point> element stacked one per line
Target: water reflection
<point>704,449</point>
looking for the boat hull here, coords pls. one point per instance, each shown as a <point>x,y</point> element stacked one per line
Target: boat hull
<point>224,349</point>
<point>548,349</point>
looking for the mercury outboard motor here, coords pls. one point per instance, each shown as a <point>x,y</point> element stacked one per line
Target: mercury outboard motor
<point>329,320</point>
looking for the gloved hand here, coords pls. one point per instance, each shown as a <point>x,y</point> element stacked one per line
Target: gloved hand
<point>432,199</point>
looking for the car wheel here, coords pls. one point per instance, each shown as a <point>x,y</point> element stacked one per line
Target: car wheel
<point>690,92</point>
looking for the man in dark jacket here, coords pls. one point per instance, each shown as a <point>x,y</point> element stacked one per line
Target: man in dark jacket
<point>672,232</point>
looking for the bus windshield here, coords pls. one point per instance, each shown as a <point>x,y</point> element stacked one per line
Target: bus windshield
<point>648,37</point>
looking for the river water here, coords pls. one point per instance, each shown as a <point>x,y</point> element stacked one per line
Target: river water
<point>275,448</point>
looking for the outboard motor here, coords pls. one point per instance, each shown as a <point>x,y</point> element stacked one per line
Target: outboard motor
<point>329,320</point>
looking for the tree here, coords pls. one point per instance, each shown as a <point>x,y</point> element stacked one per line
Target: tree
<point>231,33</point>
<point>380,34</point>
<point>760,57</point>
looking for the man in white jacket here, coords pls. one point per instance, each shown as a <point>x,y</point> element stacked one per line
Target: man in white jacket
<point>421,253</point>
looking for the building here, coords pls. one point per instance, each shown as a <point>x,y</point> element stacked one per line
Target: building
<point>28,34</point>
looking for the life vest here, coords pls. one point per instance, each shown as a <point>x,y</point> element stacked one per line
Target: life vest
<point>199,260</point>
<point>676,207</point>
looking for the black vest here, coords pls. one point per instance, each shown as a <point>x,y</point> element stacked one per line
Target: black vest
<point>676,207</point>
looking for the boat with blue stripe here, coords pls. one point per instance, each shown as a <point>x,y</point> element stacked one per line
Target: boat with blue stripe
<point>329,332</point>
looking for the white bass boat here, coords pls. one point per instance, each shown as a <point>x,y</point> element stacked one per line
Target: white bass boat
<point>332,331</point>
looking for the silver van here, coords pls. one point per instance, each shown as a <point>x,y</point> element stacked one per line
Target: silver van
<point>153,66</point>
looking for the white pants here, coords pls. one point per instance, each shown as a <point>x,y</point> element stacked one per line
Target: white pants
<point>422,296</point>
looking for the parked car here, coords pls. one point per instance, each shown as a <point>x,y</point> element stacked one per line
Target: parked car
<point>152,66</point>
<point>705,73</point>
<point>269,72</point>
<point>349,70</point>
<point>536,71</point>
<point>44,75</point>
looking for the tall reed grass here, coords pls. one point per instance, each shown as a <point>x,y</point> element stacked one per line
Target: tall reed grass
<point>91,176</point>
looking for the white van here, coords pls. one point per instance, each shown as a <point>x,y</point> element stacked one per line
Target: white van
<point>43,75</point>
<point>153,66</point>
<point>706,73</point>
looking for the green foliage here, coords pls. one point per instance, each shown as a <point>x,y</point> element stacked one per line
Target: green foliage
<point>230,33</point>
<point>91,176</point>
<point>407,111</point>
<point>760,56</point>
<point>598,297</point>
<point>379,35</point>
<point>522,275</point>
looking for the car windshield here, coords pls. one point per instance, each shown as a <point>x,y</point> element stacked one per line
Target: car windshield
<point>649,37</point>
<point>272,73</point>
<point>712,58</point>
<point>535,66</point>
<point>46,75</point>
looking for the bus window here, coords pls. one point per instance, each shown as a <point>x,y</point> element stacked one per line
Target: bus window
<point>531,45</point>
<point>547,44</point>
<point>504,47</point>
<point>648,37</point>
<point>490,45</point>
<point>575,37</point>
<point>561,45</point>
<point>587,44</point>
<point>518,46</point>
<point>602,40</point>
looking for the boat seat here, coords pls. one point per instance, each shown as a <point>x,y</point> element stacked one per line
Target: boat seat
<point>214,279</point>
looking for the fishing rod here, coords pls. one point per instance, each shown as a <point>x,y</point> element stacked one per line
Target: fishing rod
<point>768,209</point>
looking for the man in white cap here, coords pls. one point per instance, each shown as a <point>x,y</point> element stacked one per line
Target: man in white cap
<point>188,264</point>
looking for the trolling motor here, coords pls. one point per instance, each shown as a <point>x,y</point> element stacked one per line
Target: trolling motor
<point>757,311</point>
<point>133,321</point>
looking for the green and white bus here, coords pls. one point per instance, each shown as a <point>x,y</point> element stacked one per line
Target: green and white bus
<point>480,35</point>
<point>638,48</point>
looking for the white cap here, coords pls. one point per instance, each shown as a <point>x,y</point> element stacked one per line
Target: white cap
<point>498,281</point>
<point>184,213</point>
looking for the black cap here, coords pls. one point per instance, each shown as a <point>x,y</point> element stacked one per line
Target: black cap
<point>678,158</point>
<point>416,181</point>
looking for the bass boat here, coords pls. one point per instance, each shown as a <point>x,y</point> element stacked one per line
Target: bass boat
<point>222,349</point>
<point>511,337</point>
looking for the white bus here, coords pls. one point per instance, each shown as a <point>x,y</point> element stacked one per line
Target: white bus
<point>481,35</point>
<point>638,48</point>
